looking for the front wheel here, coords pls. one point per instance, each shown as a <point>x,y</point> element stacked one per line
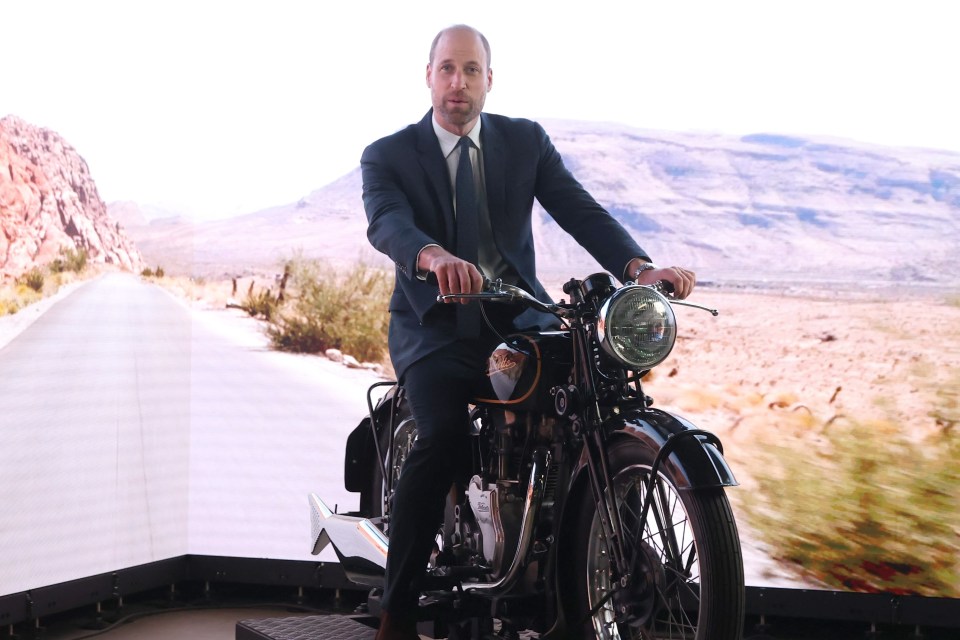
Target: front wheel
<point>687,580</point>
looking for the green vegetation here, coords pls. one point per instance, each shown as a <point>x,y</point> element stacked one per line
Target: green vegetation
<point>323,309</point>
<point>152,273</point>
<point>74,260</point>
<point>34,278</point>
<point>862,507</point>
<point>38,282</point>
<point>13,299</point>
<point>262,304</point>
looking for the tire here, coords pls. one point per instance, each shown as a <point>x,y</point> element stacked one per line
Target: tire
<point>404,435</point>
<point>702,535</point>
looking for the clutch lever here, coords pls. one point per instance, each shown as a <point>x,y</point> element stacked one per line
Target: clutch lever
<point>499,291</point>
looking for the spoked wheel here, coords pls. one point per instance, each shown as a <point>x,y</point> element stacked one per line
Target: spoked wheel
<point>404,435</point>
<point>687,580</point>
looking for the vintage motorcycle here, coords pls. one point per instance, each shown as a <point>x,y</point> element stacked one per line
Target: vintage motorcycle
<point>589,513</point>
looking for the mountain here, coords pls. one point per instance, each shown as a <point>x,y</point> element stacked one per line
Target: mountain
<point>761,207</point>
<point>49,202</point>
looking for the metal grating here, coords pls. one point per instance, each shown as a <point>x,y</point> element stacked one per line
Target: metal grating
<point>305,628</point>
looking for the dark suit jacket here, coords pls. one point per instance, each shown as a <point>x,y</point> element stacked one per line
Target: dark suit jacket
<point>409,204</point>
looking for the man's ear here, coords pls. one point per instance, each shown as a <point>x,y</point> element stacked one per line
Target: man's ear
<point>428,75</point>
<point>489,79</point>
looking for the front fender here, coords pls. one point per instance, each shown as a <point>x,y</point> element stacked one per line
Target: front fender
<point>695,462</point>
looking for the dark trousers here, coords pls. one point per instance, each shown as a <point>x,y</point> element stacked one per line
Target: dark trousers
<point>439,387</point>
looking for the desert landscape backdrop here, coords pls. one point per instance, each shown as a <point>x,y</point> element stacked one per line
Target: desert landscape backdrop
<point>830,374</point>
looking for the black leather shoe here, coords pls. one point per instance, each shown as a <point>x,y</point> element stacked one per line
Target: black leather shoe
<point>394,628</point>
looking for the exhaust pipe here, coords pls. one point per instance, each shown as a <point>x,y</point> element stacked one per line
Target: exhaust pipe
<point>360,546</point>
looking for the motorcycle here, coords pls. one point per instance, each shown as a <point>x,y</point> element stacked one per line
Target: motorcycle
<point>588,514</point>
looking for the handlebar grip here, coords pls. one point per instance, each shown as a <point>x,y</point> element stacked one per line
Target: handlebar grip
<point>665,287</point>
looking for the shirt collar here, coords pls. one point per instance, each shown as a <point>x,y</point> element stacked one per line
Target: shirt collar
<point>448,141</point>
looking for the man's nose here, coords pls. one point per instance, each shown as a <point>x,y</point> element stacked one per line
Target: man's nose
<point>458,80</point>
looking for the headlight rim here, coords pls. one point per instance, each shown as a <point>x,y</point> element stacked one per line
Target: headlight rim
<point>605,336</point>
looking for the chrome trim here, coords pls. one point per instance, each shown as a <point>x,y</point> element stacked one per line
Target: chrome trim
<point>358,543</point>
<point>531,508</point>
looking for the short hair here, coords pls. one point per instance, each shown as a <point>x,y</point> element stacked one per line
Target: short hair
<point>458,27</point>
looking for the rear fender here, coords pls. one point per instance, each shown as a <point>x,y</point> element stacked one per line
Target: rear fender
<point>360,456</point>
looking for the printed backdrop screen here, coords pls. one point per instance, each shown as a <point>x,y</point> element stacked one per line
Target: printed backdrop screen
<point>137,427</point>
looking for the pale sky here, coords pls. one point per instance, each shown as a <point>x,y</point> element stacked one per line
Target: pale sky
<point>215,108</point>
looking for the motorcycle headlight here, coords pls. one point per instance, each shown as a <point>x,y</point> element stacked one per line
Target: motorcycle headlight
<point>637,327</point>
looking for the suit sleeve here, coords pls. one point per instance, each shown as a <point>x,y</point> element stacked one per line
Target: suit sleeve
<point>390,217</point>
<point>579,214</point>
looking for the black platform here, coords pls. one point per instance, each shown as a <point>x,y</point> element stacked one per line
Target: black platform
<point>306,628</point>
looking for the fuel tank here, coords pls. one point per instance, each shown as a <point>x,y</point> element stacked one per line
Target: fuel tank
<point>522,370</point>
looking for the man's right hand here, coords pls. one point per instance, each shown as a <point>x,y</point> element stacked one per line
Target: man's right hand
<point>453,274</point>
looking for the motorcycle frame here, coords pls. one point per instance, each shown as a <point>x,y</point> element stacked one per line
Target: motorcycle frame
<point>695,453</point>
<point>693,457</point>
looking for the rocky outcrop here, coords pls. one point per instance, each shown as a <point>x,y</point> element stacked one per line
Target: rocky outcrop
<point>49,202</point>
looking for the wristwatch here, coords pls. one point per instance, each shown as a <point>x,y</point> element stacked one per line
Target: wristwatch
<point>644,266</point>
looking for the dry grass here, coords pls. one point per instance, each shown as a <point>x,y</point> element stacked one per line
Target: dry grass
<point>41,282</point>
<point>840,419</point>
<point>329,309</point>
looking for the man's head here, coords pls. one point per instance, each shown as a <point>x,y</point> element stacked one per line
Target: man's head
<point>459,77</point>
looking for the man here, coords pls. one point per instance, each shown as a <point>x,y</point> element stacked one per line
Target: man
<point>440,217</point>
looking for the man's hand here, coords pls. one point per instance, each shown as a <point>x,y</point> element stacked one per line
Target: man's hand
<point>683,281</point>
<point>453,274</point>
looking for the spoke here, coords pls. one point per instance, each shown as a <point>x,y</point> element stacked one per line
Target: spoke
<point>667,537</point>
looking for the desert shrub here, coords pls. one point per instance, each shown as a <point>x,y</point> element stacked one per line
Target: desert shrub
<point>864,509</point>
<point>946,405</point>
<point>17,297</point>
<point>152,273</point>
<point>74,260</point>
<point>9,306</point>
<point>33,278</point>
<point>262,303</point>
<point>331,310</point>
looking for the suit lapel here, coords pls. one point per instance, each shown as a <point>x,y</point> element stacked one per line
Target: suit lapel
<point>493,169</point>
<point>435,167</point>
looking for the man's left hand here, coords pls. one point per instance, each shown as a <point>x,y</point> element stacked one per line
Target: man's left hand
<point>683,280</point>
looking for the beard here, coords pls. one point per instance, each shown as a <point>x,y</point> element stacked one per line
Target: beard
<point>461,113</point>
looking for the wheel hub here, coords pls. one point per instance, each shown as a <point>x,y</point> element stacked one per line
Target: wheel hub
<point>636,603</point>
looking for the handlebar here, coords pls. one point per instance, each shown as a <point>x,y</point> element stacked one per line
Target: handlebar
<point>499,291</point>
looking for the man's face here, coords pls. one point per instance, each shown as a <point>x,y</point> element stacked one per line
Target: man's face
<point>459,78</point>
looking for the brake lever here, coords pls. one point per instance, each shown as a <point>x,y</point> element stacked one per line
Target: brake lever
<point>667,289</point>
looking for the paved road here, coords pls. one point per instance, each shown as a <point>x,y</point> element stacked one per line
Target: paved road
<point>132,429</point>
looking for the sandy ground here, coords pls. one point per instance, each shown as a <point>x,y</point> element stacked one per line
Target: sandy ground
<point>782,367</point>
<point>878,359</point>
